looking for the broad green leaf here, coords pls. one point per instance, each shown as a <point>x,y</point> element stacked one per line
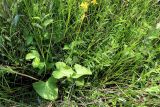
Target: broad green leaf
<point>30,56</point>
<point>60,65</point>
<point>79,82</point>
<point>80,71</point>
<point>36,62</point>
<point>62,71</point>
<point>47,22</point>
<point>47,90</point>
<point>41,65</point>
<point>33,54</point>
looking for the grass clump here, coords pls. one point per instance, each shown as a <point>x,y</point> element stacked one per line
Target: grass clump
<point>117,40</point>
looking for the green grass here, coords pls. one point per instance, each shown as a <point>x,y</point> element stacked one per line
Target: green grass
<point>117,40</point>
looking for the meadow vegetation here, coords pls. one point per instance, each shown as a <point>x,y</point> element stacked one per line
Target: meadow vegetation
<point>79,53</point>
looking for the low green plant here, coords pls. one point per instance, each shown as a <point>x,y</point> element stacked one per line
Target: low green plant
<point>49,90</point>
<point>36,63</point>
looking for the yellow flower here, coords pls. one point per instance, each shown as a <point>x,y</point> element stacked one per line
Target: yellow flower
<point>94,2</point>
<point>84,5</point>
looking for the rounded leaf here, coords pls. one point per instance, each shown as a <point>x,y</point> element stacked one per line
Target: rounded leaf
<point>41,65</point>
<point>30,56</point>
<point>62,71</point>
<point>33,54</point>
<point>60,65</point>
<point>47,90</point>
<point>36,63</point>
<point>80,71</point>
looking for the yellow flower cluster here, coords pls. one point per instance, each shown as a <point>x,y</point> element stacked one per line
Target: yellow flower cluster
<point>85,4</point>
